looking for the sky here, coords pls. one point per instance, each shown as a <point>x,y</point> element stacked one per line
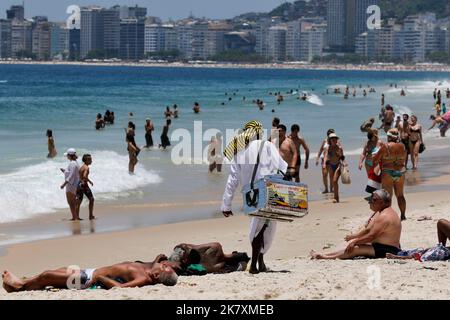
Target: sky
<point>165,9</point>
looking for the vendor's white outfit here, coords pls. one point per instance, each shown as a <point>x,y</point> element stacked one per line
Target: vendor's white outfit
<point>72,176</point>
<point>241,172</point>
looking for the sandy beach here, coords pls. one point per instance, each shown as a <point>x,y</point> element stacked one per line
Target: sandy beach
<point>429,67</point>
<point>295,276</point>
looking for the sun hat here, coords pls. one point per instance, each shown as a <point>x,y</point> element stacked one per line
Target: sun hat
<point>70,152</point>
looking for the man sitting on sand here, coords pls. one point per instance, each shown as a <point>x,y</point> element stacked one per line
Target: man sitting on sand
<point>380,236</point>
<point>122,275</point>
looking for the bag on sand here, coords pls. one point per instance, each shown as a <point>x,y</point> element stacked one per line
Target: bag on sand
<point>345,174</point>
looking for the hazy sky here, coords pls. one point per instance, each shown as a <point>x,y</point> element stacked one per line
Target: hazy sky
<point>55,9</point>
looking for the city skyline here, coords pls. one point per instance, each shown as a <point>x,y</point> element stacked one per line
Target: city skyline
<point>165,9</point>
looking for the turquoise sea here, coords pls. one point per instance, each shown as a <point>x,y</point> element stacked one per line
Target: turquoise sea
<point>66,99</point>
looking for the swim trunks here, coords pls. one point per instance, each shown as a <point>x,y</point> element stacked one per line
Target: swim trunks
<point>83,189</point>
<point>382,249</point>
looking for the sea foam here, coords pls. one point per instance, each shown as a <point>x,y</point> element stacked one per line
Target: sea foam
<point>35,189</point>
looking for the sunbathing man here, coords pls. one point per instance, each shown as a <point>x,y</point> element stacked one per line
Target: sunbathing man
<point>380,236</point>
<point>123,275</point>
<point>210,255</point>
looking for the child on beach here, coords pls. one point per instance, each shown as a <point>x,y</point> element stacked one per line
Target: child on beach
<point>83,185</point>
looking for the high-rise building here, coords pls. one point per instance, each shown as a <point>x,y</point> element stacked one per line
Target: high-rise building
<point>215,37</point>
<point>239,41</point>
<point>41,46</point>
<point>16,13</point>
<point>336,13</point>
<point>59,40</point>
<point>21,38</point>
<point>132,12</point>
<point>74,44</point>
<point>261,36</point>
<point>92,33</point>
<point>5,39</point>
<point>276,43</point>
<point>312,41</point>
<point>184,39</point>
<point>199,37</point>
<point>154,38</point>
<point>170,37</point>
<point>111,32</point>
<point>132,38</point>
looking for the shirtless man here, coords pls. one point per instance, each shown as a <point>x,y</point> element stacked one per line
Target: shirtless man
<point>388,119</point>
<point>83,185</point>
<point>122,275</point>
<point>380,237</point>
<point>299,142</point>
<point>288,151</point>
<point>210,255</point>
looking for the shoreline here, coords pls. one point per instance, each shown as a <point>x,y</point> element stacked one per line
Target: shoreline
<point>221,65</point>
<point>297,277</point>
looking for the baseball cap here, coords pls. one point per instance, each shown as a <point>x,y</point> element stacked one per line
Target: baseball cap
<point>70,152</point>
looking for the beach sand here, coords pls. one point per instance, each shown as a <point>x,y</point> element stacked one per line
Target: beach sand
<point>295,276</point>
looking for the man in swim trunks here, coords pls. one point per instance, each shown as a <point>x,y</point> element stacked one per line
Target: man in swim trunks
<point>288,151</point>
<point>122,275</point>
<point>83,186</point>
<point>299,142</point>
<point>210,255</point>
<point>380,237</point>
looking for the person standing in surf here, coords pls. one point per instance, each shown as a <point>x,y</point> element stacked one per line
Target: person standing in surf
<point>148,133</point>
<point>51,144</point>
<point>71,180</point>
<point>133,149</point>
<point>165,141</point>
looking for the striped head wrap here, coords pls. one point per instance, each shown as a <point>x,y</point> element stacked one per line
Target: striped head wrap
<point>241,141</point>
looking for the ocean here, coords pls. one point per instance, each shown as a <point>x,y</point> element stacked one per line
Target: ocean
<point>66,99</point>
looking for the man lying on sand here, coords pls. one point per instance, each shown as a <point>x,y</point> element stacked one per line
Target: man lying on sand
<point>123,275</point>
<point>380,236</point>
<point>209,255</point>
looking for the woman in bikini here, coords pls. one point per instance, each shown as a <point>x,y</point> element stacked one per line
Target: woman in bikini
<point>371,148</point>
<point>415,140</point>
<point>393,156</point>
<point>334,155</point>
<point>320,155</point>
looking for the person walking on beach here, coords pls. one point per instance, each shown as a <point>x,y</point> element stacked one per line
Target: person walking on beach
<point>388,118</point>
<point>288,151</point>
<point>83,186</point>
<point>132,148</point>
<point>165,141</point>
<point>393,157</point>
<point>415,140</point>
<point>51,145</point>
<point>299,142</point>
<point>215,158</point>
<point>243,151</point>
<point>320,155</point>
<point>148,133</point>
<point>71,180</point>
<point>404,136</point>
<point>371,147</point>
<point>333,159</point>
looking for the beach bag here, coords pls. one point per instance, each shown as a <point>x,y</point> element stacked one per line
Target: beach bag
<point>422,147</point>
<point>345,174</point>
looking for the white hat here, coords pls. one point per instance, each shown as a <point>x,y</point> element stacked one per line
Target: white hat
<point>70,152</point>
<point>333,135</point>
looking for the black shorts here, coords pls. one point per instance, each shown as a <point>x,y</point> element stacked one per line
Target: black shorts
<point>382,249</point>
<point>84,190</point>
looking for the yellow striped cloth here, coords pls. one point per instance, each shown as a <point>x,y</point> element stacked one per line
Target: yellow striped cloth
<point>241,141</point>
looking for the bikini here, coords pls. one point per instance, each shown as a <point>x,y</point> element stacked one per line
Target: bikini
<point>373,151</point>
<point>396,175</point>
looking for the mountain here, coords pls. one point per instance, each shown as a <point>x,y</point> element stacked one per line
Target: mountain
<point>400,9</point>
